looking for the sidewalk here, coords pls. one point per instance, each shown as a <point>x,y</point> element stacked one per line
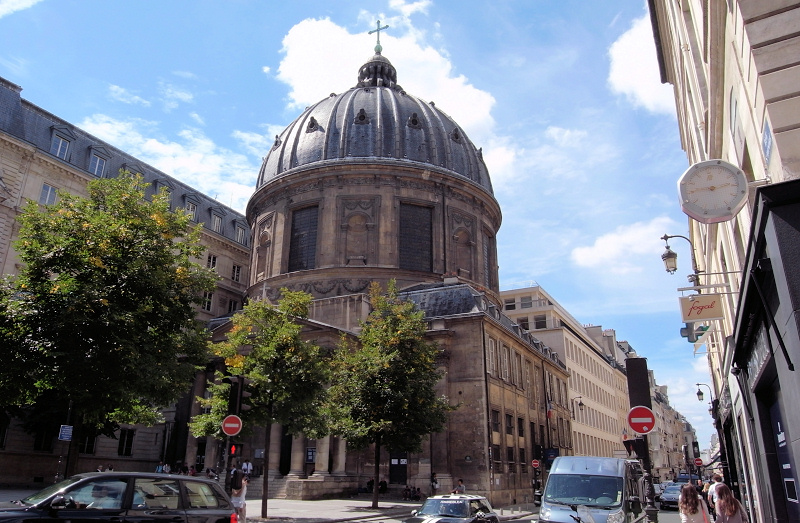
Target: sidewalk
<point>326,510</point>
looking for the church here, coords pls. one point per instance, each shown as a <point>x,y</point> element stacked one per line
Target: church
<point>376,184</point>
<point>369,185</point>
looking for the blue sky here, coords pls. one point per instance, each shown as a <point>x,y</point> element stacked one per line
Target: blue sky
<point>564,97</point>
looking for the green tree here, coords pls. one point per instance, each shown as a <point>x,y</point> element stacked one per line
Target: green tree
<point>383,390</point>
<point>287,376</point>
<point>102,314</point>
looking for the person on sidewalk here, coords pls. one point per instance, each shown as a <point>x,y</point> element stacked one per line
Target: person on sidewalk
<point>460,488</point>
<point>691,506</point>
<point>729,509</point>
<point>238,498</point>
<point>716,481</point>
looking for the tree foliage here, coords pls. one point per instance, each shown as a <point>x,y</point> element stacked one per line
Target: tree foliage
<point>383,391</point>
<point>102,312</point>
<point>286,375</point>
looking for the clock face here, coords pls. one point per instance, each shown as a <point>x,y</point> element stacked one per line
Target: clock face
<point>712,191</point>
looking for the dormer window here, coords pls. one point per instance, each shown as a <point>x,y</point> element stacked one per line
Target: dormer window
<point>216,223</point>
<point>191,210</point>
<point>61,138</point>
<point>98,158</point>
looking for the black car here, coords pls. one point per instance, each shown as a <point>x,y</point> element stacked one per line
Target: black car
<point>130,496</point>
<point>669,498</point>
<point>452,508</point>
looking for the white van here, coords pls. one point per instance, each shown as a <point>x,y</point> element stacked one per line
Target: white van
<point>603,490</point>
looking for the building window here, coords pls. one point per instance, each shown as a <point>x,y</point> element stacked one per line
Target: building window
<point>495,421</point>
<point>540,321</point>
<point>211,262</point>
<point>125,447</point>
<point>512,466</point>
<point>510,304</point>
<point>525,302</point>
<point>303,240</point>
<point>496,456</point>
<point>87,444</point>
<point>206,303</point>
<point>48,195</point>
<point>523,322</point>
<point>97,165</point>
<point>505,356</point>
<point>233,306</point>
<point>240,234</point>
<point>521,427</point>
<point>236,273</point>
<point>492,356</point>
<point>216,223</point>
<point>522,462</point>
<point>509,424</point>
<point>59,147</point>
<point>416,238</point>
<point>191,210</point>
<point>43,440</point>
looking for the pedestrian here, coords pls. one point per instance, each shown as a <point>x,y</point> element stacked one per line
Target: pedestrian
<point>160,467</point>
<point>728,508</point>
<point>167,468</point>
<point>691,506</point>
<point>460,488</point>
<point>434,484</point>
<point>99,468</point>
<point>238,498</point>
<point>247,468</point>
<point>716,481</point>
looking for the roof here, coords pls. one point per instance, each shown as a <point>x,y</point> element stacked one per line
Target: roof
<point>375,120</point>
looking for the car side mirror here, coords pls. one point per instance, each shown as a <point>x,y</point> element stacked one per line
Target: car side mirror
<point>62,502</point>
<point>413,513</point>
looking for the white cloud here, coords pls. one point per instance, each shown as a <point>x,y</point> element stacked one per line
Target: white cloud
<point>197,118</point>
<point>566,137</point>
<point>8,7</point>
<point>123,95</point>
<point>408,9</point>
<point>618,252</point>
<point>17,66</point>
<point>634,69</point>
<point>194,159</point>
<point>172,96</point>
<point>266,69</point>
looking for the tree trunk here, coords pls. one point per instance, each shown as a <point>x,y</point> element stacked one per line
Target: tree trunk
<point>376,473</point>
<point>265,491</point>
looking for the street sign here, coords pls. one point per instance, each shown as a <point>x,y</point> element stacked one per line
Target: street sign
<point>698,462</point>
<point>535,463</point>
<point>65,433</point>
<point>232,425</point>
<point>641,419</point>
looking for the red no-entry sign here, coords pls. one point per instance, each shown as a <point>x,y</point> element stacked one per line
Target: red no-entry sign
<point>232,425</point>
<point>535,463</point>
<point>641,419</point>
<point>698,462</point>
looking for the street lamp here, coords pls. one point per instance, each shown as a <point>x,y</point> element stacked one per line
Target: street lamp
<point>670,258</point>
<point>580,405</point>
<point>700,392</point>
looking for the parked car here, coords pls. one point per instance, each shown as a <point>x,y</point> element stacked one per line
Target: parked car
<point>132,496</point>
<point>669,498</point>
<point>452,508</point>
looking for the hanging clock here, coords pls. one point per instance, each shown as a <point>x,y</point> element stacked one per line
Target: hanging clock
<point>712,191</point>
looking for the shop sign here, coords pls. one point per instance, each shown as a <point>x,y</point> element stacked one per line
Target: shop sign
<point>701,307</point>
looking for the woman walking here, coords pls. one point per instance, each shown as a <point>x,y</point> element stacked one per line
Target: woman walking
<point>691,506</point>
<point>729,510</point>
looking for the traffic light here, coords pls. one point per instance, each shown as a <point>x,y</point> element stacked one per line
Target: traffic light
<point>235,449</point>
<point>537,472</point>
<point>237,394</point>
<point>696,449</point>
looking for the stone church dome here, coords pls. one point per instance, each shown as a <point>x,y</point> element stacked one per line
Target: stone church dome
<point>376,119</point>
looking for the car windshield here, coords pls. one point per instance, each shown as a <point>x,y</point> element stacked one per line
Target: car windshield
<point>45,493</point>
<point>584,489</point>
<point>444,507</point>
<point>673,489</point>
